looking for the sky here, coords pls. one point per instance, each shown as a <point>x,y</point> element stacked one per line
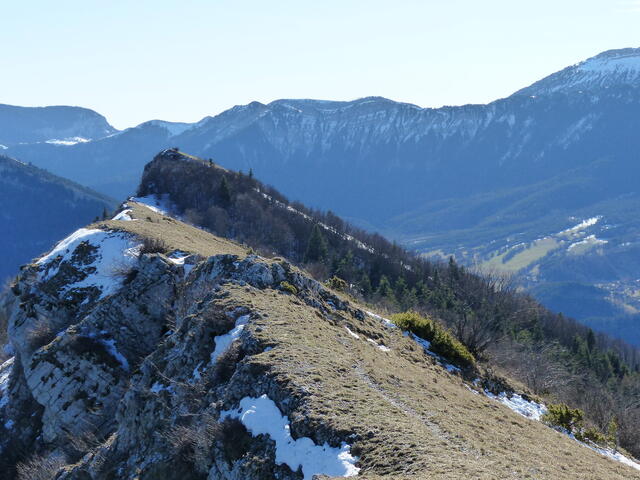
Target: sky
<point>134,61</point>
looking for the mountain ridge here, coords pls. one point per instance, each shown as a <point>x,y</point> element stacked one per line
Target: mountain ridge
<point>138,356</point>
<point>517,170</point>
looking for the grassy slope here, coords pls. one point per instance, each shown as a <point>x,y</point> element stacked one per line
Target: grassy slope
<point>414,419</point>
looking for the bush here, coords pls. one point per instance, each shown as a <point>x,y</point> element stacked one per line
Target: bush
<point>287,287</point>
<point>153,245</point>
<point>592,435</point>
<point>40,467</point>
<point>563,416</point>
<point>442,342</point>
<point>39,335</point>
<point>337,283</point>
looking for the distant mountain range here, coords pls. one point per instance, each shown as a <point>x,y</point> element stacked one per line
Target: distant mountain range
<point>38,208</point>
<point>542,183</point>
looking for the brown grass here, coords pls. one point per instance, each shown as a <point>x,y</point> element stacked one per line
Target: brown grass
<point>172,234</point>
<point>414,419</point>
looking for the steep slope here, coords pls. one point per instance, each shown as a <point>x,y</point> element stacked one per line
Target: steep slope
<point>52,124</point>
<point>37,208</point>
<point>203,361</point>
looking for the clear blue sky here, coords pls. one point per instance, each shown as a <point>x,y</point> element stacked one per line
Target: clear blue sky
<point>181,60</point>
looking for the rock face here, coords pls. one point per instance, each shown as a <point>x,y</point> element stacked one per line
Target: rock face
<point>135,363</point>
<point>136,370</point>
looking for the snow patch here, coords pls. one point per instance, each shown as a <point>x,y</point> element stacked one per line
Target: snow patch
<point>223,342</point>
<point>526,408</point>
<point>589,222</point>
<point>114,251</point>
<point>261,416</point>
<point>591,240</point>
<point>5,371</point>
<point>124,216</point>
<point>378,345</point>
<point>110,345</point>
<point>353,334</point>
<point>4,147</point>
<point>68,141</point>
<point>158,203</point>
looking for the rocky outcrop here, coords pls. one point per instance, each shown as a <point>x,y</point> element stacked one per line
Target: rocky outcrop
<point>129,382</point>
<point>138,361</point>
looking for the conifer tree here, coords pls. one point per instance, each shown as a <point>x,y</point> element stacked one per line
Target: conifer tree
<point>365,285</point>
<point>224,193</point>
<point>317,249</point>
<point>385,290</point>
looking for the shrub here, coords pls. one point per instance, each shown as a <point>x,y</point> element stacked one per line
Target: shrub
<point>337,283</point>
<point>40,335</point>
<point>40,467</point>
<point>153,245</point>
<point>287,287</point>
<point>442,342</point>
<point>592,435</point>
<point>563,416</point>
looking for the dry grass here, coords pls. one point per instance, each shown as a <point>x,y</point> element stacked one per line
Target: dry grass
<point>40,467</point>
<point>414,419</point>
<point>171,233</point>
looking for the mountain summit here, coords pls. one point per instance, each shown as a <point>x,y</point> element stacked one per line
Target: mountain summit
<point>610,69</point>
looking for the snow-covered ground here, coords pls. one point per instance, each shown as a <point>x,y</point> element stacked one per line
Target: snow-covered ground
<point>526,408</point>
<point>159,204</point>
<point>223,342</point>
<point>261,416</point>
<point>115,251</point>
<point>124,215</point>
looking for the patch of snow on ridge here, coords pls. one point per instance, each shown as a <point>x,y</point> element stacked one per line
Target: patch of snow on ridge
<point>353,334</point>
<point>124,215</point>
<point>112,252</point>
<point>378,345</point>
<point>261,416</point>
<point>110,345</point>
<point>518,404</point>
<point>4,147</point>
<point>223,342</point>
<point>589,222</point>
<point>159,204</point>
<point>590,240</point>
<point>68,141</point>
<point>5,371</point>
<point>613,455</point>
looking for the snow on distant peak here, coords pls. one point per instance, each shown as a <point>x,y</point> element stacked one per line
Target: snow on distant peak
<point>608,69</point>
<point>3,147</point>
<point>626,61</point>
<point>68,141</point>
